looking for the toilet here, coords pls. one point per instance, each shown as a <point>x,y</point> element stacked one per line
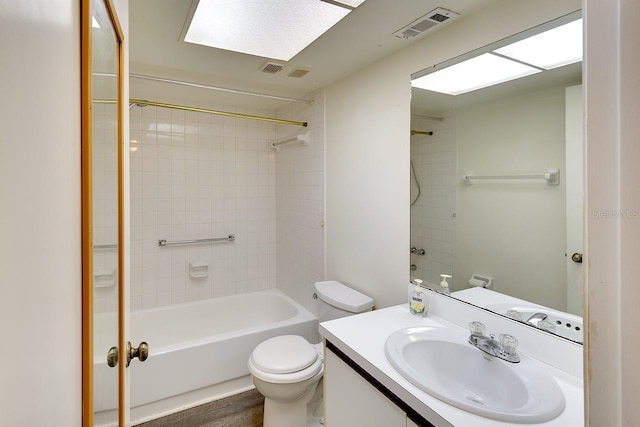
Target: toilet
<point>287,369</point>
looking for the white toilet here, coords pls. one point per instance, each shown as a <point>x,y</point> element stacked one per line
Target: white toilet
<point>286,369</point>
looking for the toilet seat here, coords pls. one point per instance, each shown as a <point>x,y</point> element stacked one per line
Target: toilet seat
<point>285,359</point>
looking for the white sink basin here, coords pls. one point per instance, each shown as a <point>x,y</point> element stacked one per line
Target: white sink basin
<point>459,374</point>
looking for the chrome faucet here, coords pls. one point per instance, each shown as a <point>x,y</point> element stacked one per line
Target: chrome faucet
<point>536,318</point>
<point>417,251</point>
<point>505,347</point>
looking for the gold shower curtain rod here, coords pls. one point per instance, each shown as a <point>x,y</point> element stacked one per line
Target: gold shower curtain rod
<point>142,102</point>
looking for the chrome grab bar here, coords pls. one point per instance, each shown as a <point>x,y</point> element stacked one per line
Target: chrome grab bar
<point>105,246</point>
<point>229,238</point>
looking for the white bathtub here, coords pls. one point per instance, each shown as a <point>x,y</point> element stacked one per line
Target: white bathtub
<point>200,349</point>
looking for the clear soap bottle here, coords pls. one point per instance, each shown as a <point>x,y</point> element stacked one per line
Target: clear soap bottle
<point>418,300</point>
<point>444,285</point>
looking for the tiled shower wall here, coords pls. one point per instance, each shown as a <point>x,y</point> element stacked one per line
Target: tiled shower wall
<point>197,176</point>
<point>300,203</point>
<point>433,215</point>
<point>105,207</point>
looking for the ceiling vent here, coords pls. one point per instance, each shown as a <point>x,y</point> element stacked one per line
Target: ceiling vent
<point>271,67</point>
<point>299,72</point>
<point>426,23</point>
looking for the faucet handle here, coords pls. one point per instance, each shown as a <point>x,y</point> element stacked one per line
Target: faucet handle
<point>477,328</point>
<point>509,344</point>
<point>546,326</point>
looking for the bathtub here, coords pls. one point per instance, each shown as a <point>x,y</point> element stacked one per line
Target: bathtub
<point>198,351</point>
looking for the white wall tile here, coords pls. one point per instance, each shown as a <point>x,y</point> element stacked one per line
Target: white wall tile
<point>432,221</point>
<point>195,176</point>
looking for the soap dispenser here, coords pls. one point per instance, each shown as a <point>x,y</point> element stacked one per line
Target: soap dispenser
<point>444,285</point>
<point>418,300</point>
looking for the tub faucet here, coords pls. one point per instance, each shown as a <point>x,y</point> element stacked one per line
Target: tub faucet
<point>505,347</point>
<point>417,251</point>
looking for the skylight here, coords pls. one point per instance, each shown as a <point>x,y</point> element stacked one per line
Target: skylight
<point>472,74</point>
<point>277,29</point>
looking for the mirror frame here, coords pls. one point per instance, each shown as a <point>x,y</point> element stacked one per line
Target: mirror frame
<point>560,20</point>
<point>87,208</point>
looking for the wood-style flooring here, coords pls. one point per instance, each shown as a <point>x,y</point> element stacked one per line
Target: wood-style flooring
<point>241,410</point>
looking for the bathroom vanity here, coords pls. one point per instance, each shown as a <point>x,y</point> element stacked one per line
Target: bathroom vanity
<point>362,387</point>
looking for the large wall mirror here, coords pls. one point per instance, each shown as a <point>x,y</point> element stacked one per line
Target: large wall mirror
<point>497,179</point>
<point>102,159</point>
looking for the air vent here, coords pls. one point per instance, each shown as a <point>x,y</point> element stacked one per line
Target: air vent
<point>426,23</point>
<point>299,72</point>
<point>271,67</point>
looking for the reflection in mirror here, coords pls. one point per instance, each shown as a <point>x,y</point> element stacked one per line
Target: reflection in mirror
<point>104,160</point>
<point>507,233</point>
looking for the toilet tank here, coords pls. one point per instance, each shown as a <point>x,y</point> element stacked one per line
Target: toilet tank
<point>336,300</point>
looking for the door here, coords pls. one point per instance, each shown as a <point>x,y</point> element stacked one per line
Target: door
<point>575,197</point>
<point>105,350</point>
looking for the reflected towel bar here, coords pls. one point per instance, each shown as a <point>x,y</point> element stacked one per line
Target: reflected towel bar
<point>229,238</point>
<point>304,138</point>
<point>552,176</point>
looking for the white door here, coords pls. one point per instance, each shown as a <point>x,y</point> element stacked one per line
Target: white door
<point>575,196</point>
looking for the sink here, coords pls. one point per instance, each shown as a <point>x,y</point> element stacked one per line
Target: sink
<point>447,367</point>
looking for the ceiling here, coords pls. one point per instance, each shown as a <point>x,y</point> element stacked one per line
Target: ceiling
<point>361,38</point>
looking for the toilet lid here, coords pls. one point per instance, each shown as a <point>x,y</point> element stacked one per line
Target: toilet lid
<point>284,354</point>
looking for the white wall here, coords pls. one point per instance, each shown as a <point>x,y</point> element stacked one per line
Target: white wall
<point>367,184</point>
<point>514,230</point>
<point>40,273</point>
<point>300,203</point>
<point>367,153</point>
<point>612,373</point>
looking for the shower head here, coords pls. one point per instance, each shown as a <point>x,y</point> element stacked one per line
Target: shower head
<point>136,104</point>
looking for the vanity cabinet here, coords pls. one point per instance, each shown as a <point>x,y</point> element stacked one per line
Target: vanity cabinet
<point>352,401</point>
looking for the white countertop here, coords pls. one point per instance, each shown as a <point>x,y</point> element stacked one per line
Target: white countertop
<point>362,338</point>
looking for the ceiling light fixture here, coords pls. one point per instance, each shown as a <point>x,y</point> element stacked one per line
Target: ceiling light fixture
<point>553,48</point>
<point>546,50</point>
<point>351,4</point>
<point>472,74</point>
<point>277,29</point>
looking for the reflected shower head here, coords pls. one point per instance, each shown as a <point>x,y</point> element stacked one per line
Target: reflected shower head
<point>134,104</point>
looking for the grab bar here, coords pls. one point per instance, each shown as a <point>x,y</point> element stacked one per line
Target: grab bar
<point>552,176</point>
<point>105,246</point>
<point>229,238</point>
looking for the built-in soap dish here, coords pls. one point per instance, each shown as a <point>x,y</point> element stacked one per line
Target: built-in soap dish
<point>104,278</point>
<point>198,270</point>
